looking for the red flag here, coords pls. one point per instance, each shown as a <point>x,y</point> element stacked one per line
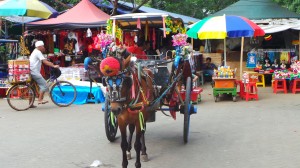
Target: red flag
<point>164,26</point>
<point>138,24</point>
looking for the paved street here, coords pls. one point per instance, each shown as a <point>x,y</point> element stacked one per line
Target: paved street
<point>254,134</point>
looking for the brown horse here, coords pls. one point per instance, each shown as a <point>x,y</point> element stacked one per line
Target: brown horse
<point>130,95</point>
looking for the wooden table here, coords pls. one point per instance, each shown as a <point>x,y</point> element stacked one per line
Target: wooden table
<point>224,86</point>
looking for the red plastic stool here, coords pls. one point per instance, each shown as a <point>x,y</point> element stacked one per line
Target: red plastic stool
<point>251,91</point>
<point>280,85</point>
<point>296,88</point>
<point>241,92</point>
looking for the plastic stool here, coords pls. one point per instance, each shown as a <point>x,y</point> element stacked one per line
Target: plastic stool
<point>279,85</point>
<point>296,88</point>
<point>200,77</point>
<point>241,85</point>
<point>251,91</point>
<point>261,80</point>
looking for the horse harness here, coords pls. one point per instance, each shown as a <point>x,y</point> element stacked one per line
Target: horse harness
<point>115,84</point>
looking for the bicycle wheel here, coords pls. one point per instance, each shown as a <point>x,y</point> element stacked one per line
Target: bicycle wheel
<point>20,97</point>
<point>63,93</point>
<point>187,105</point>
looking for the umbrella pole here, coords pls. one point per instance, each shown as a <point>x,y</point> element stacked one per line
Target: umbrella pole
<point>241,60</point>
<point>0,26</point>
<point>299,47</point>
<point>225,52</point>
<point>23,25</point>
<point>192,39</point>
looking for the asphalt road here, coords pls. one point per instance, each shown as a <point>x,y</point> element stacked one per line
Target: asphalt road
<point>226,134</point>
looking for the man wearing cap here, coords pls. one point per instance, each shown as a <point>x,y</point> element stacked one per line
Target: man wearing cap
<point>36,59</point>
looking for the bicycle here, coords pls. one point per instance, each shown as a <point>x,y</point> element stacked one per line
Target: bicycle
<point>21,96</point>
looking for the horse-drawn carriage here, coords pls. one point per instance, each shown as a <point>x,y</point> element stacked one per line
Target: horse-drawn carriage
<point>169,96</point>
<point>137,89</point>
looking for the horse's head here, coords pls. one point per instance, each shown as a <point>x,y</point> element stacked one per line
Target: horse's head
<point>118,85</point>
<point>118,88</point>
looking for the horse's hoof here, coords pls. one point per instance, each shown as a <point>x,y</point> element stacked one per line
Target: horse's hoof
<point>128,154</point>
<point>144,158</point>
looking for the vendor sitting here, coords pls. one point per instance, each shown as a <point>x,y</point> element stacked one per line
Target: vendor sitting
<point>275,65</point>
<point>283,64</point>
<point>208,68</point>
<point>267,65</point>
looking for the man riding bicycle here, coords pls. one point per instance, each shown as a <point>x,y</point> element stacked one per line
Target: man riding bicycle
<point>36,59</point>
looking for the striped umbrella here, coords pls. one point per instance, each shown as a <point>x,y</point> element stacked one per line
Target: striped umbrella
<point>33,8</point>
<point>220,27</point>
<point>226,26</point>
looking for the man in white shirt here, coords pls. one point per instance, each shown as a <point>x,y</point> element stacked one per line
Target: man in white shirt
<point>36,59</point>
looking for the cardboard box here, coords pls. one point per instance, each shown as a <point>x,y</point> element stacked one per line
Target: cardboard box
<point>19,78</point>
<point>19,71</point>
<point>18,64</point>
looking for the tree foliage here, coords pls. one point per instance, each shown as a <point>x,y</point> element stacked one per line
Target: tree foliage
<point>194,8</point>
<point>61,5</point>
<point>292,5</point>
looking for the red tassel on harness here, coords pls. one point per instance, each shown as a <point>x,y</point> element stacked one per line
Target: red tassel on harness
<point>133,91</point>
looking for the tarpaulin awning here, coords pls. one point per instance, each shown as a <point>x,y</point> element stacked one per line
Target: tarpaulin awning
<point>153,19</point>
<point>257,9</point>
<point>278,25</point>
<point>84,14</point>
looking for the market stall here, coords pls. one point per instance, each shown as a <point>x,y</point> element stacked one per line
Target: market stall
<point>224,83</point>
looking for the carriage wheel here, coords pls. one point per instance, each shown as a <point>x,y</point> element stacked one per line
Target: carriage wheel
<point>187,105</point>
<point>110,120</point>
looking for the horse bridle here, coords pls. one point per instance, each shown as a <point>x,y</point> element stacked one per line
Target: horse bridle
<point>114,85</point>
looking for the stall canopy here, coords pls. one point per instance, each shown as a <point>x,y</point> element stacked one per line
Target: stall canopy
<point>153,19</point>
<point>257,9</point>
<point>267,14</point>
<point>84,14</point>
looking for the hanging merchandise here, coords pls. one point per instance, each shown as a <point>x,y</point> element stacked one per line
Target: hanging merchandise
<point>135,39</point>
<point>71,44</point>
<point>54,38</point>
<point>251,60</point>
<point>88,33</point>
<point>24,49</point>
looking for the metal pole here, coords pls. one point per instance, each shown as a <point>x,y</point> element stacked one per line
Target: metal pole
<point>225,52</point>
<point>299,46</point>
<point>241,61</point>
<point>5,30</point>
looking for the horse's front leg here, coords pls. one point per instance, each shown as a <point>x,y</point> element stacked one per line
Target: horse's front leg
<point>144,155</point>
<point>124,144</point>
<point>137,146</point>
<point>131,130</point>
